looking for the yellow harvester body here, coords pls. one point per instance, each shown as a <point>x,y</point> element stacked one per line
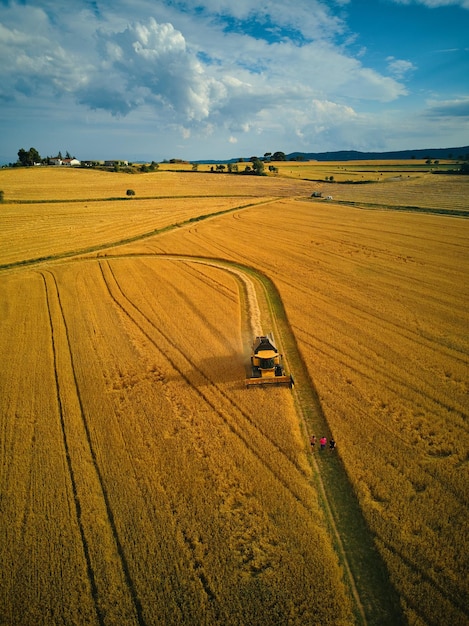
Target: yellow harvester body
<point>266,364</point>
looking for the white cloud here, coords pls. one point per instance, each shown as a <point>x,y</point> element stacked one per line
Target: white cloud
<point>457,108</point>
<point>198,70</point>
<point>434,4</point>
<point>120,67</point>
<point>32,64</point>
<point>149,63</point>
<point>399,68</point>
<point>313,18</point>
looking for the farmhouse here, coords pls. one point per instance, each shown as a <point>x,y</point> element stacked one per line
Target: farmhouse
<point>70,162</point>
<point>67,162</point>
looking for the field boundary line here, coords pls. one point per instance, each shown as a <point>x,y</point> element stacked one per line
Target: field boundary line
<point>129,198</point>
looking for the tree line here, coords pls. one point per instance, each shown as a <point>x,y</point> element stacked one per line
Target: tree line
<point>255,165</point>
<point>28,158</point>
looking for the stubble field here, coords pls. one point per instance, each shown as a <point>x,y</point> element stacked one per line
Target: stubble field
<point>141,483</point>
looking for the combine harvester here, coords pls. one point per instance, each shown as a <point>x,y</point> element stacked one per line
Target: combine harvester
<point>266,364</point>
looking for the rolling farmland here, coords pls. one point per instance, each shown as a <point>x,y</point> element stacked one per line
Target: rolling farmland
<point>141,483</point>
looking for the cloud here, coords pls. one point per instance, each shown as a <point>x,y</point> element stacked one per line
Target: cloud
<point>32,64</point>
<point>434,4</point>
<point>149,63</point>
<point>108,64</point>
<point>458,108</point>
<point>399,68</point>
<point>201,70</point>
<point>312,18</point>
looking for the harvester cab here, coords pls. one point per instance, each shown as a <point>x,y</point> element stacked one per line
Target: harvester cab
<point>266,364</point>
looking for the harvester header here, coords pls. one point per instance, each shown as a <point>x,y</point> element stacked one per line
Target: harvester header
<point>266,364</point>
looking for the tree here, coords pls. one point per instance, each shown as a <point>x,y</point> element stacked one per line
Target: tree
<point>258,166</point>
<point>28,157</point>
<point>34,156</point>
<point>23,157</point>
<point>279,156</point>
<point>130,192</point>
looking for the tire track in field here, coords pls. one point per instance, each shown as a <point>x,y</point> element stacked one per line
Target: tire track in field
<point>357,552</point>
<point>125,306</point>
<point>374,604</point>
<point>253,313</point>
<point>128,304</point>
<point>51,289</point>
<point>58,326</point>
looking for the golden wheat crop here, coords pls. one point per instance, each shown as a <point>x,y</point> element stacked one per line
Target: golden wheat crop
<point>42,184</point>
<point>141,483</point>
<point>378,303</point>
<point>47,230</point>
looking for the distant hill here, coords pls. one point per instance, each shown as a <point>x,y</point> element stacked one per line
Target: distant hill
<point>354,155</point>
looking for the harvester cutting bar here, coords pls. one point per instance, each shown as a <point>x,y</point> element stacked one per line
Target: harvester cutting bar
<point>275,380</point>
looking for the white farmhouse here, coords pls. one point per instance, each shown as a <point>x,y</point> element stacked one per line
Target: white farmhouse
<point>67,162</point>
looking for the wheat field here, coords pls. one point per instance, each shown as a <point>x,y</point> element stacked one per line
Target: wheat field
<point>141,483</point>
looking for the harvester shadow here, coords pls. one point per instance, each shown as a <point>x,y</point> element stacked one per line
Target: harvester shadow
<point>219,370</point>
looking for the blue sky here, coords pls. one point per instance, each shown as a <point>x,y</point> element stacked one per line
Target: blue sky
<point>216,79</point>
